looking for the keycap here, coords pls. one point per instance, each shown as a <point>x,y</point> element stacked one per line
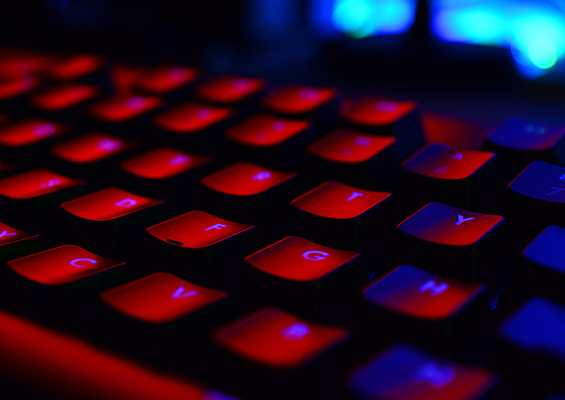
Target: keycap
<point>337,214</point>
<point>64,97</point>
<point>381,116</point>
<point>164,171</point>
<point>231,90</point>
<point>271,140</point>
<point>122,108</point>
<point>74,66</point>
<point>406,372</point>
<point>19,62</point>
<point>355,158</point>
<point>12,89</point>
<point>275,349</point>
<point>539,189</point>
<point>26,139</point>
<point>194,125</point>
<point>109,220</point>
<point>204,241</point>
<point>166,79</point>
<point>533,351</point>
<point>544,265</point>
<point>451,241</point>
<point>316,104</point>
<point>519,142</point>
<point>91,155</point>
<point>160,308</point>
<point>60,280</point>
<point>409,299</point>
<point>28,197</point>
<point>251,191</point>
<point>321,279</point>
<point>15,243</point>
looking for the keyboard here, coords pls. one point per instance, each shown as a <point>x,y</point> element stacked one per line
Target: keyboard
<point>167,233</point>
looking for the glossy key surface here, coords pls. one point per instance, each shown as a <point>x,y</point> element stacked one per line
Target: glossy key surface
<point>375,111</point>
<point>263,130</point>
<point>9,235</point>
<point>541,181</point>
<point>90,148</point>
<point>123,107</point>
<point>245,179</point>
<point>196,229</point>
<point>526,135</point>
<point>162,163</point>
<point>35,183</point>
<point>545,249</point>
<point>160,298</point>
<point>229,89</point>
<point>349,146</point>
<point>445,162</point>
<point>17,87</point>
<point>61,265</point>
<point>191,117</point>
<point>277,339</point>
<point>64,96</point>
<point>297,99</point>
<point>74,66</point>
<point>30,131</point>
<point>298,259</point>
<point>108,204</point>
<point>336,200</point>
<point>440,223</point>
<point>164,79</point>
<point>406,372</point>
<point>415,292</point>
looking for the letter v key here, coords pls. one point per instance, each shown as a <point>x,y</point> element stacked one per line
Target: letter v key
<point>181,294</point>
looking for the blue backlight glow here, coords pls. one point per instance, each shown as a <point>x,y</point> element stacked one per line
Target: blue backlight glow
<point>361,18</point>
<point>533,31</point>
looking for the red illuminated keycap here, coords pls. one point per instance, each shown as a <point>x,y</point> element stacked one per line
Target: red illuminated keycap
<point>90,148</point>
<point>74,66</point>
<point>263,130</point>
<point>245,179</point>
<point>124,107</point>
<point>190,118</point>
<point>229,89</point>
<point>65,96</point>
<point>321,279</point>
<point>163,163</point>
<point>205,240</point>
<point>30,131</point>
<point>108,204</point>
<point>298,100</point>
<point>355,157</point>
<point>15,243</point>
<point>300,260</point>
<point>349,147</point>
<point>416,293</point>
<point>35,183</point>
<point>338,201</point>
<point>386,117</point>
<point>342,215</point>
<point>196,229</point>
<point>451,175</point>
<point>160,298</point>
<point>125,77</point>
<point>61,265</point>
<point>165,79</point>
<point>406,372</point>
<point>18,62</point>
<point>276,339</point>
<point>251,190</point>
<point>460,234</point>
<point>17,86</point>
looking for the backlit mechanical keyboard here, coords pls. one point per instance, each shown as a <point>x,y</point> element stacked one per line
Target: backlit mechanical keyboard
<point>170,234</point>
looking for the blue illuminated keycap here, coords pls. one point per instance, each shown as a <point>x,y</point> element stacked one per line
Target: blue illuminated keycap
<point>519,142</point>
<point>405,372</point>
<point>546,249</point>
<point>538,328</point>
